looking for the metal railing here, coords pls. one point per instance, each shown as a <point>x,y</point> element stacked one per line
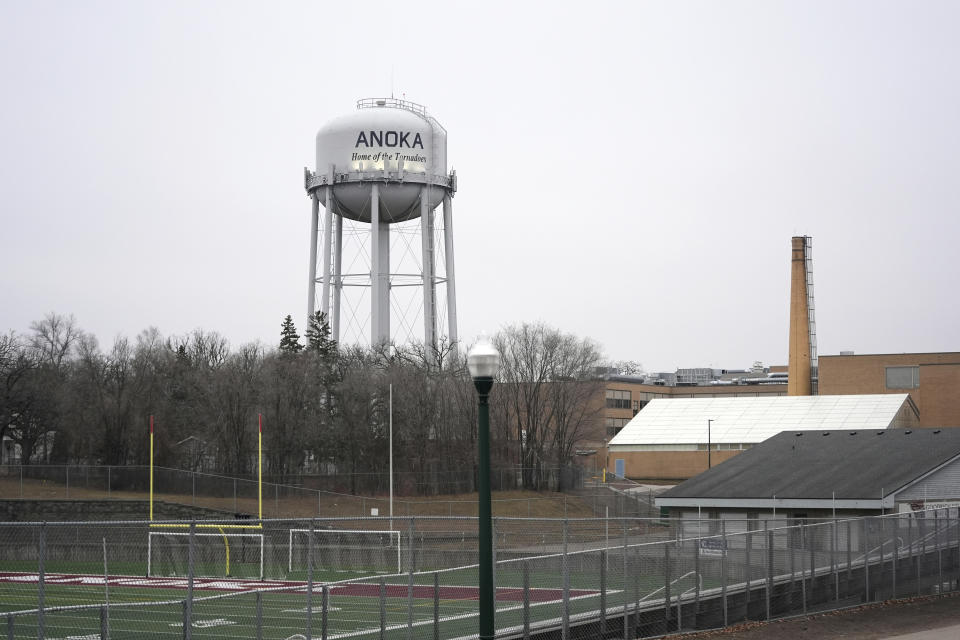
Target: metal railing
<point>417,577</point>
<point>230,495</point>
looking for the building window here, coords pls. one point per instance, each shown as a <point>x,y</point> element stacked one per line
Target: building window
<point>614,425</point>
<point>617,399</point>
<point>903,377</point>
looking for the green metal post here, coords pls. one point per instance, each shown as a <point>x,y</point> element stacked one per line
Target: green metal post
<point>485,555</point>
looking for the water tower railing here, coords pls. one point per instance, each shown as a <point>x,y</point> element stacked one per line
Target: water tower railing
<point>313,180</point>
<point>368,103</point>
<point>419,109</point>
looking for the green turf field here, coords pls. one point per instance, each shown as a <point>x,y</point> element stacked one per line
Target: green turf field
<point>249,586</point>
<point>154,607</point>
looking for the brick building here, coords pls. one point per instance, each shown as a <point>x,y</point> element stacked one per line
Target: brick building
<point>624,397</point>
<point>931,379</point>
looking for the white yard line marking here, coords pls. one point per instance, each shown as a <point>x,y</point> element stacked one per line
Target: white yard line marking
<point>204,624</point>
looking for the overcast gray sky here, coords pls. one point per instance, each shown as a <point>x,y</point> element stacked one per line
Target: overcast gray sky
<point>631,172</point>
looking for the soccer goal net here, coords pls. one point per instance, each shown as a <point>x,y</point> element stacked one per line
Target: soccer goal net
<point>345,550</point>
<point>215,555</point>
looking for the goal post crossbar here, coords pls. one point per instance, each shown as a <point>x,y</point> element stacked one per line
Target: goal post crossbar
<point>222,535</point>
<point>187,525</point>
<point>353,532</point>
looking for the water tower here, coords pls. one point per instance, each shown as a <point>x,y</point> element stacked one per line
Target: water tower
<point>383,166</point>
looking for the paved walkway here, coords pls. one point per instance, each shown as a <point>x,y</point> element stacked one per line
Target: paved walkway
<point>927,618</point>
<point>943,633</point>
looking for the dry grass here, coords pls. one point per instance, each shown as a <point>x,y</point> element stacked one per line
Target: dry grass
<point>313,504</point>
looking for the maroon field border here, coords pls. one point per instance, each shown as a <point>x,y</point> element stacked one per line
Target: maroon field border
<point>352,589</point>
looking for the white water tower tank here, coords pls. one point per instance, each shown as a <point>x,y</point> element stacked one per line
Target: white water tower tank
<point>381,138</point>
<point>383,164</point>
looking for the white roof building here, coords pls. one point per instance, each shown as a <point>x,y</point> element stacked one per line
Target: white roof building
<point>680,424</point>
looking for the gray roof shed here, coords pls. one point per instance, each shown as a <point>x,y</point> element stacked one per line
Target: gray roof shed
<point>844,469</point>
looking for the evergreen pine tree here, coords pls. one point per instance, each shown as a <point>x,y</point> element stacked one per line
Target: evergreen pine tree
<point>318,336</point>
<point>289,339</point>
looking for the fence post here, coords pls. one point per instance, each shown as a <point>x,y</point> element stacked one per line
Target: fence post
<point>324,599</point>
<point>637,569</point>
<point>309,628</point>
<point>565,564</point>
<point>793,566</point>
<point>696,576</point>
<point>936,515</point>
<point>666,586</point>
<point>526,599</point>
<point>259,615</point>
<point>769,569</point>
<point>803,567</point>
<point>105,612</point>
<point>436,606</point>
<point>748,547</point>
<point>723,571</point>
<point>866,561</point>
<point>188,603</point>
<point>883,557</point>
<point>626,623</point>
<point>603,591</point>
<point>9,627</point>
<point>849,555</point>
<point>813,561</point>
<point>42,542</point>
<point>833,560</point>
<point>383,607</point>
<point>410,581</point>
<point>914,557</point>
<point>896,553</point>
<point>957,564</point>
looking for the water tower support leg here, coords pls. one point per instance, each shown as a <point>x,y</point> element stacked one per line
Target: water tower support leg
<point>451,280</point>
<point>312,284</point>
<point>429,283</point>
<point>380,270</point>
<point>337,278</point>
<point>327,246</point>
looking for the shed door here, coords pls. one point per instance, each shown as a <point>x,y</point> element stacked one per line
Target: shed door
<point>619,464</point>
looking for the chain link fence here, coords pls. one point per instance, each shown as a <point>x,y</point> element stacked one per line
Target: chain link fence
<point>417,577</point>
<point>305,498</point>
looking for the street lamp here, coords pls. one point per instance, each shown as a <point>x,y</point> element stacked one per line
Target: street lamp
<point>483,361</point>
<point>709,446</point>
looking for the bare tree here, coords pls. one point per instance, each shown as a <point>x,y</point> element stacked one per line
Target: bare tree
<point>17,362</point>
<point>238,394</point>
<point>54,337</point>
<point>109,383</point>
<point>543,401</point>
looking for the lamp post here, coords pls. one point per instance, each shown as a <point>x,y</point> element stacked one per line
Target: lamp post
<point>709,446</point>
<point>483,361</point>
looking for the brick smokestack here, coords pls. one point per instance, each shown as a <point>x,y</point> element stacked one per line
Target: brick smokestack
<point>798,368</point>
